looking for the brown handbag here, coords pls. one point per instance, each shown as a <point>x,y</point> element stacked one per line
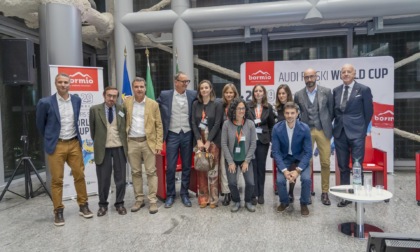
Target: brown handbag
<point>203,161</point>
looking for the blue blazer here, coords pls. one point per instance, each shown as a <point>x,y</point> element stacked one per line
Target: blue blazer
<point>301,144</point>
<point>48,120</point>
<point>356,116</point>
<point>165,106</point>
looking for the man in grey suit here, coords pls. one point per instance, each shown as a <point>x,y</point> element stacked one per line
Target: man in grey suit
<point>316,109</point>
<point>107,129</point>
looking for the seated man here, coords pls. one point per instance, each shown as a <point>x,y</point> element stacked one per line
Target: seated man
<point>291,144</point>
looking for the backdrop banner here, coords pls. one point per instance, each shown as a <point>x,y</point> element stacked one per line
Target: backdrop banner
<point>87,83</point>
<point>374,72</point>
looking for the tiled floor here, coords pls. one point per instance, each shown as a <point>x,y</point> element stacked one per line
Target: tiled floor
<point>27,225</point>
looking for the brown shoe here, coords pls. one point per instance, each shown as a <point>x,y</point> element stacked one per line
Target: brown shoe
<point>304,211</point>
<point>59,219</point>
<point>85,212</point>
<point>203,205</point>
<point>212,206</point>
<point>137,206</point>
<point>121,210</point>
<point>102,211</point>
<point>153,208</point>
<point>325,200</point>
<point>282,207</point>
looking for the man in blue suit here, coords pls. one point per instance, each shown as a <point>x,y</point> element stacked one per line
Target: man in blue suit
<point>175,108</point>
<point>56,120</point>
<point>353,109</point>
<point>292,145</point>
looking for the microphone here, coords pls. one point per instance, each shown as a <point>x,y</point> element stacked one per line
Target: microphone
<point>351,191</point>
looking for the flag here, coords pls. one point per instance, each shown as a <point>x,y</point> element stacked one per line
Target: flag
<point>176,59</point>
<point>126,87</point>
<point>150,92</point>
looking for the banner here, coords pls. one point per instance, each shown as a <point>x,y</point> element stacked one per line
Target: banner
<point>87,83</point>
<point>374,72</point>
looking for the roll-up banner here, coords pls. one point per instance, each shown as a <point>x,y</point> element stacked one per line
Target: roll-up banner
<point>87,83</point>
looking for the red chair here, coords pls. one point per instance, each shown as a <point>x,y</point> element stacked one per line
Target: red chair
<point>275,178</point>
<point>161,174</point>
<point>375,161</point>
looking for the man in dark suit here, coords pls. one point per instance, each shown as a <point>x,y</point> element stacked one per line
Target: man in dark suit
<point>353,109</point>
<point>107,129</point>
<point>291,144</point>
<point>175,108</point>
<point>56,120</point>
<point>316,110</point>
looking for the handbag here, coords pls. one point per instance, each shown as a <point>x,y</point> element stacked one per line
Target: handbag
<point>203,161</point>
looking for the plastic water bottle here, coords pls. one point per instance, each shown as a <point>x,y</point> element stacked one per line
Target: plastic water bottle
<point>357,173</point>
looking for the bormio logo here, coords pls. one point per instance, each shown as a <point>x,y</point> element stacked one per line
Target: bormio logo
<point>81,79</point>
<point>383,116</point>
<point>259,73</point>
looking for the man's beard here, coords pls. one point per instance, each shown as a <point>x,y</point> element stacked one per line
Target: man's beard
<point>310,84</point>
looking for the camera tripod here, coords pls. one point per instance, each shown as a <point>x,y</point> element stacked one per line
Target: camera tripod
<point>25,161</point>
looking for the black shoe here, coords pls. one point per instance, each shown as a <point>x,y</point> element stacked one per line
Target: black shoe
<point>59,219</point>
<point>325,200</point>
<point>186,201</point>
<point>343,203</point>
<point>227,199</point>
<point>169,202</point>
<point>254,201</point>
<point>261,200</point>
<point>291,198</point>
<point>102,211</point>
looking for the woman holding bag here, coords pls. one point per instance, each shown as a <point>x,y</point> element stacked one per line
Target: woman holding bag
<point>207,115</point>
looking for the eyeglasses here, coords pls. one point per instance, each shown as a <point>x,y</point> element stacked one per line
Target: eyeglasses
<point>310,77</point>
<point>184,81</point>
<point>239,109</point>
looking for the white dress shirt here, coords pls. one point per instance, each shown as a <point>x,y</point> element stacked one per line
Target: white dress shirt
<point>65,107</point>
<point>137,120</point>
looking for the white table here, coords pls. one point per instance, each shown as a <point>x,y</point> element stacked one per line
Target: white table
<point>359,229</point>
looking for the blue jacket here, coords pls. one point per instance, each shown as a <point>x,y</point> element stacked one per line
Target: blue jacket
<point>356,117</point>
<point>165,105</point>
<point>48,120</point>
<point>301,144</point>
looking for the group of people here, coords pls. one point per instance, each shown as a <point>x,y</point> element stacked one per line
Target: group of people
<point>236,133</point>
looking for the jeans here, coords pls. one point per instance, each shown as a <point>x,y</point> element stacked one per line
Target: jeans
<point>233,183</point>
<point>175,144</point>
<point>305,180</point>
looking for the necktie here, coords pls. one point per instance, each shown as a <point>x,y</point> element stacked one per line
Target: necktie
<point>345,98</point>
<point>110,115</point>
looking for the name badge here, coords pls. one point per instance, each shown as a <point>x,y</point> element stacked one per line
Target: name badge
<point>242,138</point>
<point>259,130</point>
<point>238,149</point>
<point>257,121</point>
<point>202,126</point>
<point>120,113</point>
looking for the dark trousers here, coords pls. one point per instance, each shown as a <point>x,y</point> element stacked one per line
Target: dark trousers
<point>114,158</point>
<point>343,148</point>
<point>258,164</point>
<point>178,143</point>
<point>233,182</point>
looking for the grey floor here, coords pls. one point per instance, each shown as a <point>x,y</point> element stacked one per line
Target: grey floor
<point>27,225</point>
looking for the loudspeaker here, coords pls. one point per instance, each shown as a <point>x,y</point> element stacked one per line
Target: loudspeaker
<point>18,61</point>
